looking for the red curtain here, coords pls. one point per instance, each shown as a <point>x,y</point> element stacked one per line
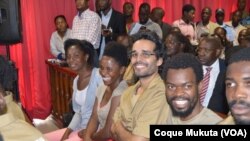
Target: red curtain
<point>37,26</point>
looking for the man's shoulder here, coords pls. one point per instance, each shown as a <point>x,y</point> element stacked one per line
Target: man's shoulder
<point>166,25</point>
<point>54,34</point>
<point>115,12</point>
<point>92,14</point>
<point>23,131</point>
<point>211,115</point>
<point>228,121</point>
<point>178,22</point>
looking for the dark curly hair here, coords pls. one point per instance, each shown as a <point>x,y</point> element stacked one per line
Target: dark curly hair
<point>151,36</point>
<point>84,46</point>
<point>187,8</point>
<point>183,61</point>
<point>118,52</point>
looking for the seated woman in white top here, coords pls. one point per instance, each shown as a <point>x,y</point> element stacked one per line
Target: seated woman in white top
<point>112,67</point>
<point>59,36</point>
<point>80,58</point>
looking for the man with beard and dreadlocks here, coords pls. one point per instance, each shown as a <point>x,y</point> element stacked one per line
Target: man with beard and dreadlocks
<point>238,88</point>
<point>183,77</point>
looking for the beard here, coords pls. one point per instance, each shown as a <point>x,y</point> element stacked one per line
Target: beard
<point>238,120</point>
<point>182,112</point>
<point>145,73</point>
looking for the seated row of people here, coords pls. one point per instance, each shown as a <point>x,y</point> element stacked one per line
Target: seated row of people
<point>106,108</point>
<point>175,99</point>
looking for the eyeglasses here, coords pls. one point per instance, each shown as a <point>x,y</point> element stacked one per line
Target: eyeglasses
<point>144,54</point>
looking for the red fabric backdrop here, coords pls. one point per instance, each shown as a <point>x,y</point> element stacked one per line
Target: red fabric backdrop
<point>37,24</point>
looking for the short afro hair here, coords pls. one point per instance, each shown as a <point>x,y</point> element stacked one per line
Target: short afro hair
<point>241,55</point>
<point>118,52</point>
<point>187,8</point>
<point>153,37</point>
<point>183,61</point>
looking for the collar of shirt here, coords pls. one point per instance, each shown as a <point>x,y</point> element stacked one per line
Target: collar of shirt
<point>65,35</point>
<point>149,22</point>
<point>215,67</point>
<point>231,25</point>
<point>202,25</point>
<point>8,98</point>
<point>182,22</point>
<point>108,14</point>
<point>6,119</point>
<point>82,14</point>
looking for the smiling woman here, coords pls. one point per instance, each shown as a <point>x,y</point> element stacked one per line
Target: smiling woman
<point>80,58</point>
<point>112,68</point>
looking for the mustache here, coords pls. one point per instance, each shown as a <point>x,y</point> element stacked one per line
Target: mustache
<point>240,102</point>
<point>140,63</point>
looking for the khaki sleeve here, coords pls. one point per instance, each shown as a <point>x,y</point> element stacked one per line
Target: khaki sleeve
<point>117,114</point>
<point>155,111</point>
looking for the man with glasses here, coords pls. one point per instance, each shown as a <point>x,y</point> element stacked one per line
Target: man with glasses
<point>144,103</point>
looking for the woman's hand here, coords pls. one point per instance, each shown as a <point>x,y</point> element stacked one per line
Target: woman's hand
<point>66,134</point>
<point>81,133</point>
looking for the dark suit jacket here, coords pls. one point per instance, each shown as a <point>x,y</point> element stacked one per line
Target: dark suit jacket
<point>218,102</point>
<point>165,27</point>
<point>118,25</point>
